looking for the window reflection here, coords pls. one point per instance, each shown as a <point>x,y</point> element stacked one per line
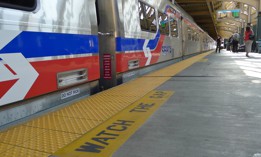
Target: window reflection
<point>147,18</point>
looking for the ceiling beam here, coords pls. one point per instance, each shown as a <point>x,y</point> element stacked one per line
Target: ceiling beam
<point>190,1</point>
<point>199,13</point>
<point>203,20</point>
<point>230,26</point>
<point>210,8</point>
<point>226,28</point>
<point>195,8</point>
<point>253,3</point>
<point>227,31</point>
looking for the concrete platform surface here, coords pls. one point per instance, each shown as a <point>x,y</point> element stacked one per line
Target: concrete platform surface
<point>215,112</point>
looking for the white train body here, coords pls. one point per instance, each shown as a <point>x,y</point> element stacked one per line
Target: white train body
<point>77,46</point>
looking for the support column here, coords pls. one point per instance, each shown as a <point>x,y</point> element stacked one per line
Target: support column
<point>259,23</point>
<point>259,26</point>
<point>242,32</point>
<point>258,37</point>
<point>249,14</point>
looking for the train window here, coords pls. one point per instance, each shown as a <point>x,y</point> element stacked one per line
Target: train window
<point>197,36</point>
<point>147,18</point>
<point>26,5</point>
<point>194,36</point>
<point>174,27</point>
<point>189,36</point>
<point>189,33</point>
<point>163,23</point>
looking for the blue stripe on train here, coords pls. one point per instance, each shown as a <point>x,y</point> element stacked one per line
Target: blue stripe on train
<point>39,44</point>
<point>132,44</point>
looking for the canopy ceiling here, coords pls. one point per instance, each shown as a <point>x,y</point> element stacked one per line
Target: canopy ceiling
<point>205,15</point>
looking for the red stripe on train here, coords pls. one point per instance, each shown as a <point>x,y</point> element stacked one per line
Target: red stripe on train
<point>47,80</point>
<point>124,58</point>
<point>5,86</point>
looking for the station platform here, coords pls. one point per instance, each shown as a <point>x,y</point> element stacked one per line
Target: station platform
<point>204,106</point>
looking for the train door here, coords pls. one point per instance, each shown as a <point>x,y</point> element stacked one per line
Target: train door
<point>201,42</point>
<point>183,36</point>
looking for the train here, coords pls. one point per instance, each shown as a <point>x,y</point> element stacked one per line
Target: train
<point>53,51</point>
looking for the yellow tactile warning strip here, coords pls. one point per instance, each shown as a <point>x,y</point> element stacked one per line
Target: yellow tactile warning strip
<point>19,134</point>
<point>203,60</point>
<point>65,124</point>
<point>178,67</point>
<point>108,137</point>
<point>47,134</point>
<point>24,152</point>
<point>49,141</point>
<point>5,147</point>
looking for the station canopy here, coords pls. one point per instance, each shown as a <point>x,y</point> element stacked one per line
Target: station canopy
<point>221,17</point>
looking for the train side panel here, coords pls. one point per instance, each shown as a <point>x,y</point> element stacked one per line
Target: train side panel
<point>193,41</point>
<point>140,34</point>
<point>140,42</point>
<point>52,47</point>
